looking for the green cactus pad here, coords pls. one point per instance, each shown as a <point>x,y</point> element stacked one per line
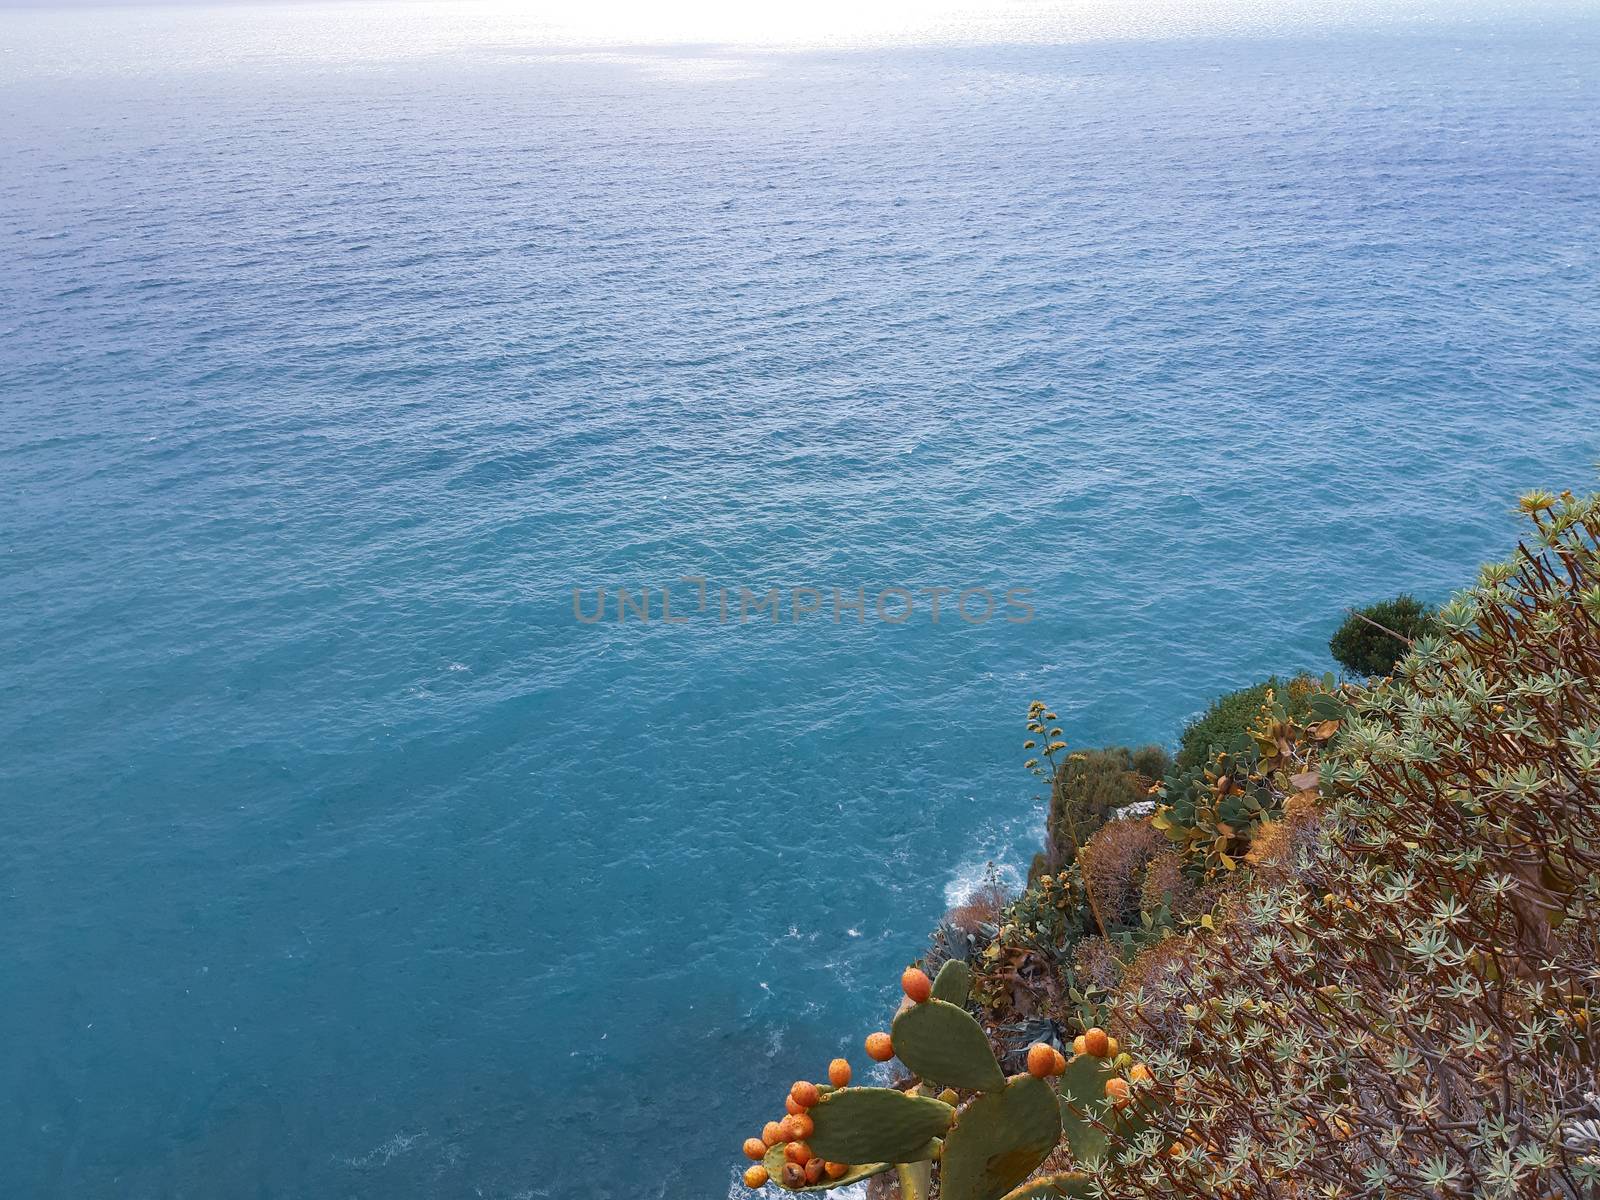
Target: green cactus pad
<point>916,1180</point>
<point>774,1163</point>
<point>953,984</point>
<point>867,1124</point>
<point>1083,1098</point>
<point>1088,1141</point>
<point>1064,1185</point>
<point>1083,1102</point>
<point>999,1140</point>
<point>943,1044</point>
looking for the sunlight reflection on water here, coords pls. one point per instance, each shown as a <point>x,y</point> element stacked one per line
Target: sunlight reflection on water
<point>170,39</point>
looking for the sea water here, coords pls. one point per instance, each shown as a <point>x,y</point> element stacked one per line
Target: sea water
<point>341,857</point>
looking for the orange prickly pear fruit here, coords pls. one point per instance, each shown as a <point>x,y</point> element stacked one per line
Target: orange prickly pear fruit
<point>814,1171</point>
<point>793,1176</point>
<point>1118,1091</point>
<point>1079,1046</point>
<point>755,1177</point>
<point>879,1047</point>
<point>805,1094</point>
<point>916,984</point>
<point>772,1133</point>
<point>755,1148</point>
<point>798,1153</point>
<point>793,1106</point>
<point>803,1126</point>
<point>1061,1062</point>
<point>1113,1048</point>
<point>1141,1074</point>
<point>1096,1043</point>
<point>835,1170</point>
<point>1041,1060</point>
<point>839,1073</point>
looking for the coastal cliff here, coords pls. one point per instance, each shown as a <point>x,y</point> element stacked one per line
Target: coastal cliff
<point>1342,943</point>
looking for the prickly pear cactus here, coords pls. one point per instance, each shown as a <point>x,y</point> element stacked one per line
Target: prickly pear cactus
<point>1083,1100</point>
<point>953,984</point>
<point>999,1139</point>
<point>877,1125</point>
<point>774,1163</point>
<point>1088,1118</point>
<point>916,1180</point>
<point>941,1043</point>
<point>985,1149</point>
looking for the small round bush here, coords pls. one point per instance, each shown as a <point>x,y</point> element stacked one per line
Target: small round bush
<point>1090,788</point>
<point>1365,650</point>
<point>1114,863</point>
<point>1228,718</point>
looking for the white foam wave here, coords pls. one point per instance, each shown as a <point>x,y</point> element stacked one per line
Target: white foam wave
<point>971,876</point>
<point>854,1191</point>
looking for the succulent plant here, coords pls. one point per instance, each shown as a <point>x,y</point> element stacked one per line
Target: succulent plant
<point>775,1162</point>
<point>873,1124</point>
<point>984,1148</point>
<point>1402,1009</point>
<point>953,983</point>
<point>1089,1117</point>
<point>1213,811</point>
<point>999,1139</point>
<point>942,1044</point>
<point>1059,1185</point>
<point>1385,982</point>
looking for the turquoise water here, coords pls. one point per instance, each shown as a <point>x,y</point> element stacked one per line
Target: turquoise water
<point>340,860</point>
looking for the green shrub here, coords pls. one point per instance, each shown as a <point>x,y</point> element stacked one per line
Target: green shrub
<point>1113,864</point>
<point>1151,762</point>
<point>1226,723</point>
<point>1400,996</point>
<point>1411,1009</point>
<point>1090,787</point>
<point>1213,812</point>
<point>1363,649</point>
